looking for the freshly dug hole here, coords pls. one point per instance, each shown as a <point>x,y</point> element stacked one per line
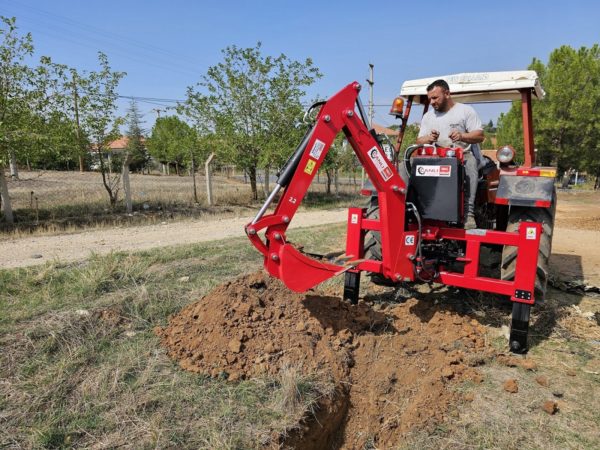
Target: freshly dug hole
<point>394,367</point>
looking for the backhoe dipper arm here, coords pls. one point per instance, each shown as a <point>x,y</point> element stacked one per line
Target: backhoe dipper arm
<point>298,271</point>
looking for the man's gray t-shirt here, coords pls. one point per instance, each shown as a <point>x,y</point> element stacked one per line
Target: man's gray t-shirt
<point>460,117</point>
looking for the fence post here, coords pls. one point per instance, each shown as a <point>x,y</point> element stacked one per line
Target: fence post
<point>209,197</point>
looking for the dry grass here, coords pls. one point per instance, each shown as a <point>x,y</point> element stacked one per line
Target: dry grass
<point>50,202</point>
<point>80,365</point>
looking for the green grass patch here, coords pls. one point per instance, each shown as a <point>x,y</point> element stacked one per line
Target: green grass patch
<point>80,365</point>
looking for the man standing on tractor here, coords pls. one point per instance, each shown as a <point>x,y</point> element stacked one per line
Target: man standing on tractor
<point>449,124</point>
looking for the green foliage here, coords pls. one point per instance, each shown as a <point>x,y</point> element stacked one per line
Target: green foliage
<point>98,119</point>
<point>567,120</point>
<point>17,87</point>
<point>172,141</point>
<point>252,104</point>
<point>410,137</point>
<point>136,149</point>
<point>487,143</point>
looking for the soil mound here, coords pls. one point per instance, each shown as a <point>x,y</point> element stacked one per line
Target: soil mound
<point>394,364</point>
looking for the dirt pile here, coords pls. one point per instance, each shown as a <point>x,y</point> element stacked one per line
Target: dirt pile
<point>395,364</point>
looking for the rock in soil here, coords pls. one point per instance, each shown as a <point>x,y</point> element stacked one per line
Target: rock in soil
<point>394,366</point>
<point>551,407</point>
<point>542,380</point>
<point>511,386</point>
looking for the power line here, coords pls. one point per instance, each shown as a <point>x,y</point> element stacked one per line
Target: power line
<point>62,28</point>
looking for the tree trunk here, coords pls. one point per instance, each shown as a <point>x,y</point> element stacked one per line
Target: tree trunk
<point>252,176</point>
<point>328,173</point>
<point>336,182</point>
<point>6,205</point>
<point>109,163</point>
<point>126,184</point>
<point>177,168</point>
<point>81,164</point>
<point>267,187</point>
<point>14,170</point>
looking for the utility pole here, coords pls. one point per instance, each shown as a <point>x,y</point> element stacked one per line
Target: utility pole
<point>77,126</point>
<point>371,105</point>
<point>157,111</point>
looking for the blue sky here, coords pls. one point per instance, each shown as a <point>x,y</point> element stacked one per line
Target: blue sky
<point>165,46</point>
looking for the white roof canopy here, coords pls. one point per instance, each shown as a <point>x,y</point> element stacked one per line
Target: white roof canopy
<point>479,86</point>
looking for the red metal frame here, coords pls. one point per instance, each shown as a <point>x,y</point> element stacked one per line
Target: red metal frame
<point>399,245</point>
<point>527,128</point>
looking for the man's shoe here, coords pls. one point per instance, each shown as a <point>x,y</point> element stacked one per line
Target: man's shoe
<point>470,222</point>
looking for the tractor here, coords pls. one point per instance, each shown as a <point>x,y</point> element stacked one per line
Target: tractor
<point>412,230</point>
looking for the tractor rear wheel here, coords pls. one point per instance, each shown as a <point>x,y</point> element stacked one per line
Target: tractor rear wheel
<point>373,244</point>
<point>545,216</point>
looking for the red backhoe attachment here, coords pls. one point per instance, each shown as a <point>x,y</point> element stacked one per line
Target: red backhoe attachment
<point>413,245</point>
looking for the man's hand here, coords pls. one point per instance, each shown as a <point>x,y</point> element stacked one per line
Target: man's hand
<point>455,135</point>
<point>430,138</point>
<point>433,136</point>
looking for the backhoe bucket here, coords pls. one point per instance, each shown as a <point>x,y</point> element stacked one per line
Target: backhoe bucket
<point>299,272</point>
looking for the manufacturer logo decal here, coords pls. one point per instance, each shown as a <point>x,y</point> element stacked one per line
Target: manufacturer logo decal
<point>531,233</point>
<point>310,166</point>
<point>409,240</point>
<point>380,164</point>
<point>434,171</point>
<point>317,149</point>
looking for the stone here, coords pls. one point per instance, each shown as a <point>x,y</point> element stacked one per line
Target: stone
<point>542,380</point>
<point>511,386</point>
<point>447,372</point>
<point>550,406</point>
<point>235,345</point>
<point>529,364</point>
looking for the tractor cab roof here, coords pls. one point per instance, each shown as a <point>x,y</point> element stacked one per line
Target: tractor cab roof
<point>479,87</point>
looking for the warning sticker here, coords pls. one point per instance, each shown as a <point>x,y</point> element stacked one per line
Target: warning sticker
<point>310,166</point>
<point>531,233</point>
<point>434,171</point>
<point>317,149</point>
<point>354,219</point>
<point>380,163</point>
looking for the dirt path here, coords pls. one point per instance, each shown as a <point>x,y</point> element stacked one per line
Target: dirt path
<point>575,243</point>
<point>76,246</point>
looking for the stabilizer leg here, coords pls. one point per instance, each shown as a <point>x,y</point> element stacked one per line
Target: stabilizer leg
<point>519,328</point>
<point>351,286</point>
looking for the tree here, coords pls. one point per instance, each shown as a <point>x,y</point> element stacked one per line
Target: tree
<point>24,101</point>
<point>136,147</point>
<point>97,114</point>
<point>174,141</point>
<point>171,141</point>
<point>250,101</point>
<point>566,121</point>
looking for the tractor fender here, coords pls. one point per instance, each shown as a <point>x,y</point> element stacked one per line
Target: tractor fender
<point>525,190</point>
